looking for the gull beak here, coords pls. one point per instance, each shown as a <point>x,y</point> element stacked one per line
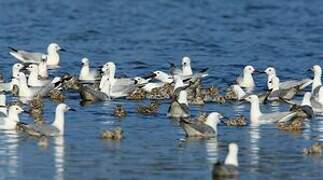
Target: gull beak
<point>61,49</point>
<point>310,70</point>
<point>27,112</point>
<point>224,118</point>
<point>70,109</point>
<point>150,75</point>
<point>260,72</point>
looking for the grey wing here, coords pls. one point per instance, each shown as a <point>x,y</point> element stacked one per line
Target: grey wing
<point>316,105</point>
<point>274,95</point>
<point>125,88</point>
<point>288,93</point>
<point>30,56</point>
<point>46,129</point>
<point>88,90</point>
<point>197,129</point>
<point>43,91</point>
<point>293,83</point>
<point>124,81</point>
<point>316,91</point>
<point>278,116</point>
<point>2,115</point>
<point>239,80</point>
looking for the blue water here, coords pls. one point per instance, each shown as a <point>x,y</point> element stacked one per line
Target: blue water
<point>141,36</point>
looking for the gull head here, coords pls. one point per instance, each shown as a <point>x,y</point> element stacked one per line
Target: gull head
<point>139,80</point>
<point>316,69</point>
<point>270,71</point>
<point>252,99</point>
<point>32,67</point>
<point>109,66</point>
<point>54,47</point>
<point>248,69</point>
<point>64,108</point>
<point>85,61</point>
<point>15,69</point>
<point>43,58</point>
<point>186,61</point>
<point>161,76</point>
<point>213,119</point>
<point>15,109</point>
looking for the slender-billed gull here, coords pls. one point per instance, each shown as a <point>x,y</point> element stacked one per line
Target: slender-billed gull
<point>246,80</point>
<point>115,87</point>
<point>179,105</point>
<point>271,73</point>
<point>33,79</point>
<point>207,129</point>
<point>86,73</point>
<point>230,166</point>
<point>36,57</point>
<point>44,129</point>
<point>42,68</point>
<point>256,116</point>
<point>10,121</point>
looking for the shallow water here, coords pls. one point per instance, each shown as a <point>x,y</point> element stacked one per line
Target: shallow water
<point>141,36</point>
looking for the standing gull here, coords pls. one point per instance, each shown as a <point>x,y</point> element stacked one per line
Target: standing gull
<point>36,57</point>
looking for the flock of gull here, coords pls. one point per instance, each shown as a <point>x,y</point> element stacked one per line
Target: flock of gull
<point>31,82</point>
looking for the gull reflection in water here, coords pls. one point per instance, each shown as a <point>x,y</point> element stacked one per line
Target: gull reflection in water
<point>59,157</point>
<point>239,108</point>
<point>8,152</point>
<point>254,143</point>
<point>319,129</point>
<point>212,150</point>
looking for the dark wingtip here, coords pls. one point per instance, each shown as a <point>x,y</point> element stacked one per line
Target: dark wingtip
<point>204,70</point>
<point>13,49</point>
